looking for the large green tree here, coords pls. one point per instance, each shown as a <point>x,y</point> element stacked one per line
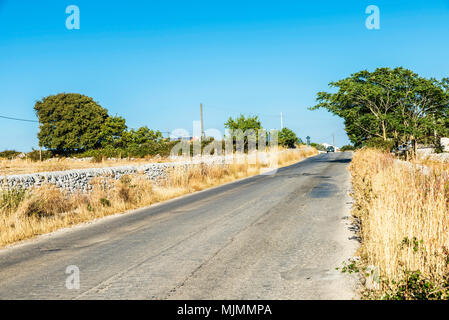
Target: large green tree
<point>390,104</point>
<point>70,122</point>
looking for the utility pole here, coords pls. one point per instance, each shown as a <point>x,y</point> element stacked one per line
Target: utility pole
<point>333,140</point>
<point>202,126</point>
<point>282,122</point>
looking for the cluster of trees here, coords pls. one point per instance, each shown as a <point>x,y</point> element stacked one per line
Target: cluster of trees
<point>286,137</point>
<point>71,123</point>
<point>390,107</point>
<point>74,124</point>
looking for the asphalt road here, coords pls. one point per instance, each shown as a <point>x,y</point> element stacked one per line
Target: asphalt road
<point>265,237</point>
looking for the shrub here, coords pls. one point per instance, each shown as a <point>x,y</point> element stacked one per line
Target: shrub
<point>347,147</point>
<point>9,154</point>
<point>45,201</point>
<point>413,286</point>
<point>379,143</point>
<point>105,202</point>
<point>11,198</point>
<point>151,148</point>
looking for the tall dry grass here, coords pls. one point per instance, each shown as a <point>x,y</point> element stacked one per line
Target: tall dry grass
<point>25,214</point>
<point>438,165</point>
<point>404,218</point>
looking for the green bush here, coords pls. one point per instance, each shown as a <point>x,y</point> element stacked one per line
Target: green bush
<point>10,198</point>
<point>105,202</point>
<point>347,147</point>
<point>134,150</point>
<point>414,286</point>
<point>9,154</point>
<point>379,143</point>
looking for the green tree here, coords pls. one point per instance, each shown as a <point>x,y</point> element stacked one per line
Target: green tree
<point>288,138</point>
<point>70,122</point>
<point>242,127</point>
<point>244,123</point>
<point>144,135</point>
<point>113,131</point>
<point>389,104</point>
<point>422,111</point>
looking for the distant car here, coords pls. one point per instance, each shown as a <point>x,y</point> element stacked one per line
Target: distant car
<point>330,149</point>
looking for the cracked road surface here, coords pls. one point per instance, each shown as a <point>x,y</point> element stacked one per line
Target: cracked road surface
<point>265,237</point>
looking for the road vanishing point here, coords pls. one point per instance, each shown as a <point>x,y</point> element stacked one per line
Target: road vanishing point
<point>278,236</point>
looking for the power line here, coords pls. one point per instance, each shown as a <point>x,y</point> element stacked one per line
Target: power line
<point>240,111</point>
<point>18,119</point>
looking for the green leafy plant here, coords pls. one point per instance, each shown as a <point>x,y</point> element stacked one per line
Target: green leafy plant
<point>414,286</point>
<point>10,198</point>
<point>414,243</point>
<point>105,202</point>
<point>349,267</point>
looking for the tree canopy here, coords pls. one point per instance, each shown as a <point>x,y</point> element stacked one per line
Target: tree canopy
<point>112,132</point>
<point>288,138</point>
<point>244,123</point>
<point>396,105</point>
<point>71,122</point>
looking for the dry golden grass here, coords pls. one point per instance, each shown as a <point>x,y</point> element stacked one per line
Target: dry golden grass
<point>24,166</point>
<point>45,209</point>
<point>404,217</point>
<point>433,164</point>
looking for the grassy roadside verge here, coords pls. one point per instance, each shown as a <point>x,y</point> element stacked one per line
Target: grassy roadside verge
<point>404,227</point>
<point>26,214</point>
<point>27,166</point>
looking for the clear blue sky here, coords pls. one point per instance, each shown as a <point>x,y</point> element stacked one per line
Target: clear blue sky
<point>153,62</point>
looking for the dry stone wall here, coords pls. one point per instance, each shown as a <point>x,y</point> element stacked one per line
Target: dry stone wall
<point>78,180</point>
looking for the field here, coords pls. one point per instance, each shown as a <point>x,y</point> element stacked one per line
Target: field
<point>25,214</point>
<point>403,212</point>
